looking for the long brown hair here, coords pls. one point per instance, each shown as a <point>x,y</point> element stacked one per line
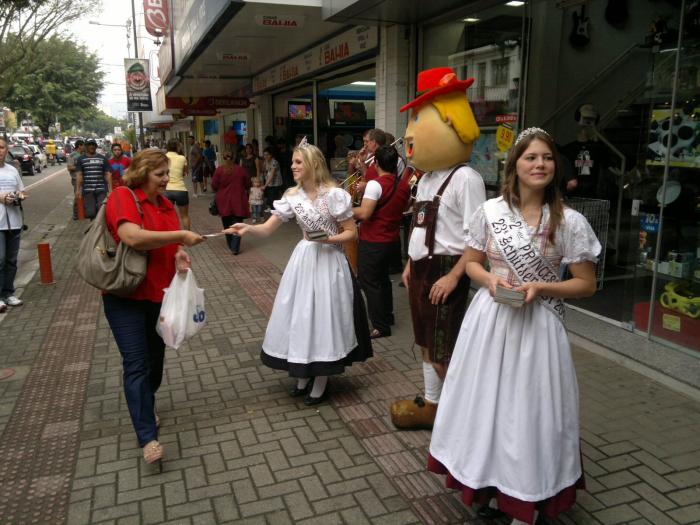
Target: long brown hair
<point>552,193</point>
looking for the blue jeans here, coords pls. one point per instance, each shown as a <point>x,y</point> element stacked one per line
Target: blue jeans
<point>133,325</point>
<point>9,248</point>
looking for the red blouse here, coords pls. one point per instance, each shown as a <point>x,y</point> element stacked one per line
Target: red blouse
<point>121,207</point>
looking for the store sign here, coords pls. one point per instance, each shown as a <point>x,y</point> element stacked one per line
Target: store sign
<point>282,21</point>
<point>505,136</point>
<point>501,119</point>
<point>206,103</point>
<point>138,85</point>
<point>337,50</point>
<point>649,222</point>
<point>191,112</point>
<point>233,58</point>
<point>157,16</point>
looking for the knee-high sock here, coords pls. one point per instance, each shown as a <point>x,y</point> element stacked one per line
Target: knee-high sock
<point>433,383</point>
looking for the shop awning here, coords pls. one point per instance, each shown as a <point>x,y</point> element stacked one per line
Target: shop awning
<point>242,41</point>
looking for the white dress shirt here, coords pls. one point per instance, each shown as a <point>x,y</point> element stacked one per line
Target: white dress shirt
<point>462,197</point>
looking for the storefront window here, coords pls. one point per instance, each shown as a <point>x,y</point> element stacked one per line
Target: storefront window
<point>486,45</point>
<point>669,219</point>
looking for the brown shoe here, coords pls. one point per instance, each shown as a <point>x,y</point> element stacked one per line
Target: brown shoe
<point>413,414</point>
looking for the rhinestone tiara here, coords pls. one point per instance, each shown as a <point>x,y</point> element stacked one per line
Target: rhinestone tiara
<point>303,143</point>
<point>529,131</point>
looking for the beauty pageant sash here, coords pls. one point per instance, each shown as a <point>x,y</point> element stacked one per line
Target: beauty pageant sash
<point>519,250</point>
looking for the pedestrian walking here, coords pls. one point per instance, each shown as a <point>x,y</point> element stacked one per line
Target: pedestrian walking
<point>119,163</point>
<point>231,184</point>
<point>273,177</point>
<point>11,225</point>
<point>209,154</point>
<point>176,191</point>
<point>133,318</point>
<point>508,420</point>
<point>71,165</point>
<point>256,199</point>
<point>318,324</point>
<point>196,162</point>
<point>93,179</point>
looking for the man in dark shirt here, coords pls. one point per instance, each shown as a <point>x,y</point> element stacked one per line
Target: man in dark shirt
<point>93,179</point>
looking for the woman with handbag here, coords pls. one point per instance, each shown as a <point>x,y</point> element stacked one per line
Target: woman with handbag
<point>231,184</point>
<point>152,225</point>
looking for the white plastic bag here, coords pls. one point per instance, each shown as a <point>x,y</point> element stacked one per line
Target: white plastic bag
<point>182,313</point>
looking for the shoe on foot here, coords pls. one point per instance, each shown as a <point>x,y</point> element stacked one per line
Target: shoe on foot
<point>3,306</point>
<point>376,334</point>
<point>413,414</point>
<point>13,301</point>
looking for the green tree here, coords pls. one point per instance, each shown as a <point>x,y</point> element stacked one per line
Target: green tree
<point>25,24</point>
<point>63,82</point>
<point>101,124</point>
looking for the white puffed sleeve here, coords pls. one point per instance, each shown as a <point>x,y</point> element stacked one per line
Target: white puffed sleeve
<point>283,209</point>
<point>478,232</point>
<point>340,204</point>
<point>579,243</point>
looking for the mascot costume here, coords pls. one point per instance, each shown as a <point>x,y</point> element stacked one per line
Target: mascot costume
<point>438,141</point>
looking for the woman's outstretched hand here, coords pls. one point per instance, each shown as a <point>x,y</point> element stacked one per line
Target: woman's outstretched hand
<point>191,238</point>
<point>238,229</point>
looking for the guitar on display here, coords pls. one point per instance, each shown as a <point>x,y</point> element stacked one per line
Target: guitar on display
<point>579,36</point>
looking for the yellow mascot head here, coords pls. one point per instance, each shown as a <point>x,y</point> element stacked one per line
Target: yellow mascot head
<point>442,128</point>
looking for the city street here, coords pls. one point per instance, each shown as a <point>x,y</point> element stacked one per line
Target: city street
<point>239,449</point>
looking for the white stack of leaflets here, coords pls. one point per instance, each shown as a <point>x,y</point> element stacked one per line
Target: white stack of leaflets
<point>509,297</point>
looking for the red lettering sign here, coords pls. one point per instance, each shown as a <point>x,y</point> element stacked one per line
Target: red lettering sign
<point>336,53</point>
<point>206,103</point>
<point>500,119</point>
<point>157,16</point>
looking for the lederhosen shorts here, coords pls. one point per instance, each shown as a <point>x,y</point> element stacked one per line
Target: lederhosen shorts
<point>435,327</point>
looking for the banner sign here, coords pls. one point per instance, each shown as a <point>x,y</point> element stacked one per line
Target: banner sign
<point>206,103</point>
<point>157,16</point>
<point>284,21</point>
<point>138,85</point>
<point>345,46</point>
<point>233,58</point>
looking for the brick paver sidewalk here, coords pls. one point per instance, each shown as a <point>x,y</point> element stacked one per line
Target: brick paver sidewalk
<point>240,450</point>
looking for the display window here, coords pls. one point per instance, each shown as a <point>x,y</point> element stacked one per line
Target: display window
<point>667,272</point>
<point>486,45</point>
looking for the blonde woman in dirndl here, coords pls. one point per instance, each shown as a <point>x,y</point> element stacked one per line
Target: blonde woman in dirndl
<point>318,324</point>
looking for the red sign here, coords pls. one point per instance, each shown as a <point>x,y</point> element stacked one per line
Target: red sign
<point>500,119</point>
<point>209,103</point>
<point>157,16</point>
<point>201,112</point>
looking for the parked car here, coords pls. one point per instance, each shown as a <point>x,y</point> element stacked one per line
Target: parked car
<point>30,164</point>
<point>14,161</point>
<point>60,152</point>
<point>38,152</point>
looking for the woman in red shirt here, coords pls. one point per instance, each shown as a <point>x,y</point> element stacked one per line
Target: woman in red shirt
<point>133,319</point>
<point>231,183</point>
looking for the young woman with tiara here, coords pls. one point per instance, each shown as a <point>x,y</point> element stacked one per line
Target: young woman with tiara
<point>318,324</point>
<point>507,425</point>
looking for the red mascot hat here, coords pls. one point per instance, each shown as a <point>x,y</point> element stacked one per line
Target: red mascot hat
<point>437,81</point>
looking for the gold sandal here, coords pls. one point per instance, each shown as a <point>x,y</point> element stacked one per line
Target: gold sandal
<point>152,452</point>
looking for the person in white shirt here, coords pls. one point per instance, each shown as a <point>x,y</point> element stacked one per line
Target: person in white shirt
<point>438,141</point>
<point>11,225</point>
